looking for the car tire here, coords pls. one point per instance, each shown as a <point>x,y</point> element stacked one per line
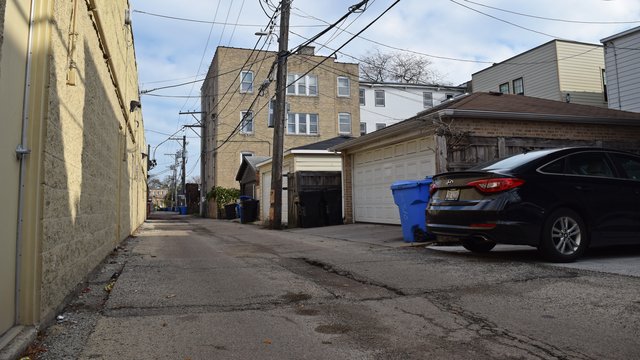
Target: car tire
<point>477,245</point>
<point>564,236</point>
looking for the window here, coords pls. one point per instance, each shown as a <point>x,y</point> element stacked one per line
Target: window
<point>302,85</point>
<point>379,96</point>
<point>361,94</point>
<point>344,123</point>
<point>272,111</point>
<point>246,117</point>
<point>589,164</point>
<point>380,126</point>
<point>449,96</point>
<point>244,154</point>
<point>630,165</point>
<point>312,87</point>
<point>504,88</point>
<point>427,99</point>
<point>604,85</point>
<point>246,81</point>
<point>518,86</point>
<point>363,128</point>
<point>344,86</point>
<point>302,124</point>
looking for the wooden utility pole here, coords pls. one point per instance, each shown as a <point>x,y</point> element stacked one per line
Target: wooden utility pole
<point>275,211</point>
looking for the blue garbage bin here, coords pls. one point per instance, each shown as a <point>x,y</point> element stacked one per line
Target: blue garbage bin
<point>240,207</point>
<point>412,196</point>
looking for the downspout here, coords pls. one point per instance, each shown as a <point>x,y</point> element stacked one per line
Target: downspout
<point>21,152</point>
<point>93,8</point>
<point>615,62</point>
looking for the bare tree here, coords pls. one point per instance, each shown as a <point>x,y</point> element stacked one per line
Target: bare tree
<point>398,67</point>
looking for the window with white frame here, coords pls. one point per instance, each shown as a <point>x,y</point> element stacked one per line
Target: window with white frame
<point>272,110</point>
<point>361,93</point>
<point>344,86</point>
<point>379,98</point>
<point>246,81</point>
<point>302,85</point>
<point>427,99</point>
<point>380,126</point>
<point>246,117</point>
<point>302,124</point>
<point>518,86</point>
<point>344,123</point>
<point>363,128</point>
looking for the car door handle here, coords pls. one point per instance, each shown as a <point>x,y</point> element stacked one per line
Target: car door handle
<point>584,188</point>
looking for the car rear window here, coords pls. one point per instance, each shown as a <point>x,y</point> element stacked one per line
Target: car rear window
<point>514,161</point>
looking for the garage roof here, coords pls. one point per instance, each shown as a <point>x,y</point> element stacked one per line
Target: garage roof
<point>503,106</point>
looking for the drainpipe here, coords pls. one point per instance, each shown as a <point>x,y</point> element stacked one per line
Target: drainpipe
<point>93,8</point>
<point>21,152</point>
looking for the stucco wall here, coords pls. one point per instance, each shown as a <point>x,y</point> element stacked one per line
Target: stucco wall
<point>94,174</point>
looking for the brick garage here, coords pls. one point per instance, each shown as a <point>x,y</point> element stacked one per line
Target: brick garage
<point>470,130</point>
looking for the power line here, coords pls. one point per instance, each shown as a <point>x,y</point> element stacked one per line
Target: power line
<point>505,21</point>
<point>555,19</point>
<point>214,22</point>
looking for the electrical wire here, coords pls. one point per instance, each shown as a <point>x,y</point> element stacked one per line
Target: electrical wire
<point>214,22</point>
<point>555,19</point>
<point>506,21</point>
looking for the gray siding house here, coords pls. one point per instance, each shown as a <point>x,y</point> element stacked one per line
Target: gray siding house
<point>558,70</point>
<point>622,59</point>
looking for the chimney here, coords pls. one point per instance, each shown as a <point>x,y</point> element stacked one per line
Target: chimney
<point>307,50</point>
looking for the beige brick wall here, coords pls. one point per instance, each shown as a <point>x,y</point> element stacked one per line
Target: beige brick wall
<point>223,166</point>
<point>94,186</point>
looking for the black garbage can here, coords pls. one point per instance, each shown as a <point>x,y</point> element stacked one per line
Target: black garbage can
<point>230,211</point>
<point>249,212</point>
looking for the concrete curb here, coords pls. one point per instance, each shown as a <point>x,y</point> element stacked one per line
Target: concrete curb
<point>20,337</point>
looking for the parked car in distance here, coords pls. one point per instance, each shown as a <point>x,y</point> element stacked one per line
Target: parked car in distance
<point>558,200</point>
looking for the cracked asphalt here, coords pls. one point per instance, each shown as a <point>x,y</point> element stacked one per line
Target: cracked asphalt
<point>191,288</point>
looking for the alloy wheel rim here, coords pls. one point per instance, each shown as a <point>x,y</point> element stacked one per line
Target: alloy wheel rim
<point>566,235</point>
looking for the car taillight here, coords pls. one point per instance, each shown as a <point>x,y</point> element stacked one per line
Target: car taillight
<point>433,188</point>
<point>489,186</point>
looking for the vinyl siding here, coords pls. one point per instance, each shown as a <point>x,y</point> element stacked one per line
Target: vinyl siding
<point>623,84</point>
<point>318,163</point>
<point>580,73</point>
<point>537,68</point>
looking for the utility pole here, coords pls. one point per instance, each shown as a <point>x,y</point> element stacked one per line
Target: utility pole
<point>184,174</point>
<point>275,211</point>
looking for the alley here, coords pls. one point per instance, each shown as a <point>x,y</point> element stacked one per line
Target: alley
<point>191,288</point>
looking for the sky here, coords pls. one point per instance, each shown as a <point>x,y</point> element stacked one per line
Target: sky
<point>175,42</point>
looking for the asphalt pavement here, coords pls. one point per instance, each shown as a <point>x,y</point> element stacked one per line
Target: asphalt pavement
<point>191,288</point>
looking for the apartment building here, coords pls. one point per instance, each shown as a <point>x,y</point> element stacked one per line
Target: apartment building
<point>385,103</point>
<point>558,70</point>
<point>238,105</point>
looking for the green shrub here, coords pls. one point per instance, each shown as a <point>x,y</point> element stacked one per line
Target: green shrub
<point>223,196</point>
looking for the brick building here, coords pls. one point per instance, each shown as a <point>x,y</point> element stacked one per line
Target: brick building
<point>322,103</point>
<point>464,132</point>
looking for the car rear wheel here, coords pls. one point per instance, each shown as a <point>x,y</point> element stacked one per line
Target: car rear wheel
<point>564,237</point>
<point>478,245</point>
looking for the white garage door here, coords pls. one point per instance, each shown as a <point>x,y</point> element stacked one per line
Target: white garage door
<point>375,170</point>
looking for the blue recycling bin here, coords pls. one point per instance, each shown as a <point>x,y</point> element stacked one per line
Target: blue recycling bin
<point>412,196</point>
